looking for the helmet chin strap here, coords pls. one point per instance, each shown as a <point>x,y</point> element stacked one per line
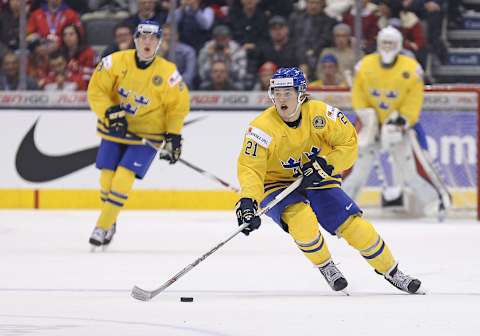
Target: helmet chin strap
<point>300,100</point>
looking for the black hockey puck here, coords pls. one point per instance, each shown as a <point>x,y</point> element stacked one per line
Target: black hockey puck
<point>186,299</point>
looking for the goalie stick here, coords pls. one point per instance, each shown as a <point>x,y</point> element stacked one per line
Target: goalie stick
<point>145,295</point>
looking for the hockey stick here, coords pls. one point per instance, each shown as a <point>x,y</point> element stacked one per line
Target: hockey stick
<point>194,167</point>
<point>145,295</point>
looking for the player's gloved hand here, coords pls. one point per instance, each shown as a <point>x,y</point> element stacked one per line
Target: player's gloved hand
<point>393,131</point>
<point>315,171</point>
<point>173,148</point>
<point>245,210</point>
<point>116,121</point>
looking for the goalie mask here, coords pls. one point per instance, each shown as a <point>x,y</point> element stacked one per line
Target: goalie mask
<point>389,44</point>
<point>147,38</point>
<point>285,78</point>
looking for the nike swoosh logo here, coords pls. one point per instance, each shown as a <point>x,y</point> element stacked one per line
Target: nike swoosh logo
<point>136,164</point>
<point>35,166</point>
<point>348,206</point>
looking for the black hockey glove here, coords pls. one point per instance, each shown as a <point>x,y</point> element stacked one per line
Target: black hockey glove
<point>315,171</point>
<point>245,210</point>
<point>399,121</point>
<point>173,148</point>
<point>116,121</point>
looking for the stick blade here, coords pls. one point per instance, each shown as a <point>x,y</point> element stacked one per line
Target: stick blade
<point>141,294</point>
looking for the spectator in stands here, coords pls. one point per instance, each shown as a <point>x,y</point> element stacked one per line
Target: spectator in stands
<point>80,56</point>
<point>147,11</point>
<point>408,24</point>
<point>219,78</point>
<point>184,55</point>
<point>280,49</point>
<point>311,29</point>
<point>117,8</point>
<point>265,73</point>
<point>249,28</point>
<point>38,63</point>
<point>248,23</point>
<point>194,21</point>
<point>9,23</point>
<point>123,37</point>
<point>328,74</point>
<point>223,48</point>
<point>342,50</point>
<point>10,76</point>
<point>337,8</point>
<point>454,14</point>
<point>277,7</point>
<point>60,78</point>
<point>49,20</point>
<point>432,12</point>
<point>369,25</point>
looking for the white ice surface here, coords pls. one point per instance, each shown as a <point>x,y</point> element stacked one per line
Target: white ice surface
<point>50,284</point>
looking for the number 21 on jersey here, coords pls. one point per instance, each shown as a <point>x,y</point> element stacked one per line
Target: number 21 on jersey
<point>251,148</point>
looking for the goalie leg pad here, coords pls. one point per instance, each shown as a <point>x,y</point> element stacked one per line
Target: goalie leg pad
<point>121,185</point>
<point>432,174</point>
<point>361,235</point>
<point>358,177</point>
<point>303,227</point>
<point>420,195</point>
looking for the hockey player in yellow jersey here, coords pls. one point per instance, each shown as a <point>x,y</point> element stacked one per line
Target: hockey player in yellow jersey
<point>135,95</point>
<point>298,136</point>
<point>387,97</point>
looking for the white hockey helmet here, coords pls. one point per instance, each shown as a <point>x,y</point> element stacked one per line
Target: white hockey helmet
<point>389,44</point>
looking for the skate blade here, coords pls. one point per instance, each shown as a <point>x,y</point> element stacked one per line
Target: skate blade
<point>95,248</point>
<point>344,291</point>
<point>421,291</point>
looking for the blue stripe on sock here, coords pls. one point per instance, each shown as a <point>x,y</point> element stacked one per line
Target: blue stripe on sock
<point>122,196</point>
<point>109,200</point>
<point>314,250</point>
<point>376,253</point>
<point>311,243</point>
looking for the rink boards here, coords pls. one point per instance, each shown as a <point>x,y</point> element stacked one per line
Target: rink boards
<point>48,154</point>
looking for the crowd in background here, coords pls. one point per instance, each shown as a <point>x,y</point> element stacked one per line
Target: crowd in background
<point>218,45</point>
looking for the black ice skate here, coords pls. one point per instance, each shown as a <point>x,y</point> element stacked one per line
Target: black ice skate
<point>110,233</point>
<point>403,282</point>
<point>334,277</point>
<point>98,237</point>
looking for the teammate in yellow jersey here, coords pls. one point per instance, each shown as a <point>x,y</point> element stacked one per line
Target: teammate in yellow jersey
<point>387,97</point>
<point>299,136</point>
<point>135,95</point>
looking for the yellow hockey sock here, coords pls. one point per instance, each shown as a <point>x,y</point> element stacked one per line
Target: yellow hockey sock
<point>361,235</point>
<point>303,227</point>
<point>122,183</point>
<point>106,177</point>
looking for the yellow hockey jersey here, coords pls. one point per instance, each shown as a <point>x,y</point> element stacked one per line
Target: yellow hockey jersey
<point>399,88</point>
<point>156,99</point>
<point>273,152</point>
